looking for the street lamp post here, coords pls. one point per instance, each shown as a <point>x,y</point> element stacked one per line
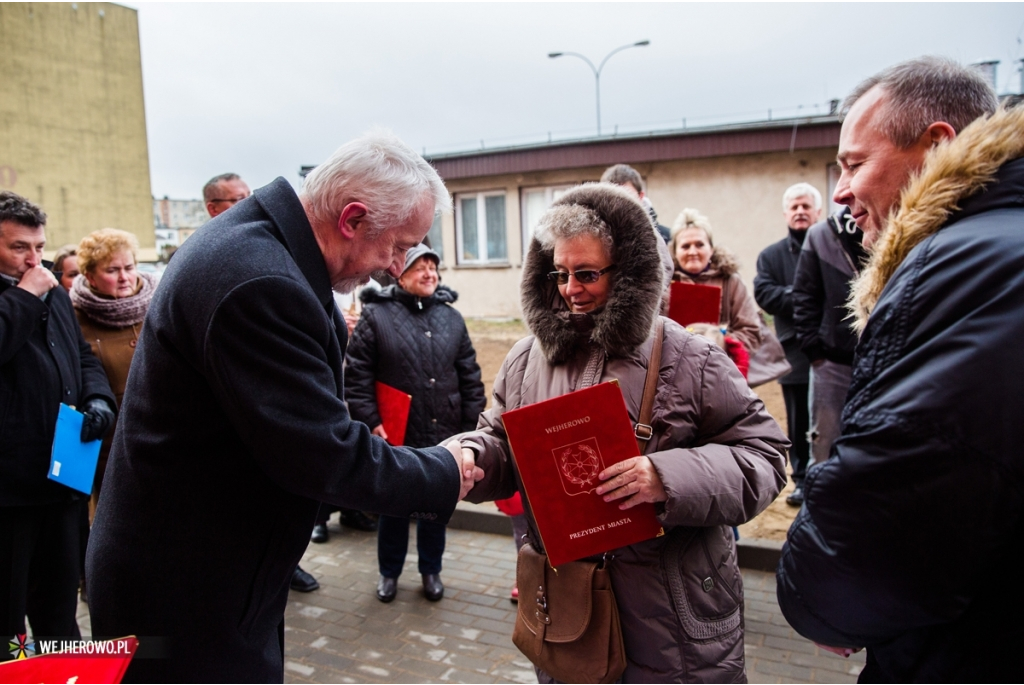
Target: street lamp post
<point>597,69</point>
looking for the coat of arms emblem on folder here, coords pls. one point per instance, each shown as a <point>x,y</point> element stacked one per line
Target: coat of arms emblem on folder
<point>578,465</point>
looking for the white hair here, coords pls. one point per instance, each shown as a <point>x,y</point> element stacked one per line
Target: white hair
<point>800,190</point>
<point>380,171</point>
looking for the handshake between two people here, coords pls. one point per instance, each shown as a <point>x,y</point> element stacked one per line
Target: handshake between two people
<point>466,460</point>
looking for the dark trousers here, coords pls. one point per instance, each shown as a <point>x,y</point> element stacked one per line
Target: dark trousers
<point>393,543</point>
<point>39,569</point>
<point>798,421</point>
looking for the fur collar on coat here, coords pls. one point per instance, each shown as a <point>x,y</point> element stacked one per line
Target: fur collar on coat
<point>951,173</point>
<point>633,303</point>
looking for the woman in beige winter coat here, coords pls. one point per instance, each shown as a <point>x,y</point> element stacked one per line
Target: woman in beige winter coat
<point>698,261</point>
<point>716,459</point>
<point>111,298</point>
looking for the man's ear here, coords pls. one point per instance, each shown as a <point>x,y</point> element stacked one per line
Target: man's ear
<point>939,132</point>
<point>353,216</point>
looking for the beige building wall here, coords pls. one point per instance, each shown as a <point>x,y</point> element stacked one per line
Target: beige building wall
<point>72,122</point>
<point>741,195</point>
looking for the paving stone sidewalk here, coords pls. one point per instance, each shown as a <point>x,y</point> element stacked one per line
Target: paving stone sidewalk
<point>342,634</point>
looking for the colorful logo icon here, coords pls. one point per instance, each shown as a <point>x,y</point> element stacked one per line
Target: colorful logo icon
<point>21,648</point>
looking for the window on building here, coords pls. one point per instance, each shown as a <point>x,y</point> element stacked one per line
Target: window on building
<point>480,231</point>
<point>535,201</point>
<point>435,237</point>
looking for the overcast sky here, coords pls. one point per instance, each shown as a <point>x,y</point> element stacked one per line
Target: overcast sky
<point>263,88</point>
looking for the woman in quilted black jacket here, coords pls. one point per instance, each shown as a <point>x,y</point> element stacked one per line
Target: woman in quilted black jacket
<point>411,339</point>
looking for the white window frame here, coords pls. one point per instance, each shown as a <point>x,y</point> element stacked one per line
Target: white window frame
<point>481,227</point>
<point>549,198</point>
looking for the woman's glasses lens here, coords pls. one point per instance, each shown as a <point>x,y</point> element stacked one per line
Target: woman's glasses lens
<point>586,276</point>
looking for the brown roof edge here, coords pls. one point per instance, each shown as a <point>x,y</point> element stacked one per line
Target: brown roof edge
<point>742,139</point>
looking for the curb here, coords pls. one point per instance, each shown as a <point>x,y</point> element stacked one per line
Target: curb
<point>752,553</point>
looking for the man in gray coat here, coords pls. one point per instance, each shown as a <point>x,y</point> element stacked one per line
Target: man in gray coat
<point>235,403</point>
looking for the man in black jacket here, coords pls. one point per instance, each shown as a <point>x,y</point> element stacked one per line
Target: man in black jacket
<point>773,290</point>
<point>908,539</point>
<point>830,259</point>
<point>235,403</point>
<point>43,362</point>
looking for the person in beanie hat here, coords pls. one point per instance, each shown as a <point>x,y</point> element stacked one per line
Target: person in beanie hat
<point>409,337</point>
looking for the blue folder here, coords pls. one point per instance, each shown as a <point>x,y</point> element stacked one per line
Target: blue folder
<point>73,462</point>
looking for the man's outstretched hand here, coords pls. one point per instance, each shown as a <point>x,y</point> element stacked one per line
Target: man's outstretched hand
<point>470,472</point>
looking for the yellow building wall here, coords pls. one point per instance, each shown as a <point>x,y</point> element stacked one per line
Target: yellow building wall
<point>72,122</point>
<point>741,195</point>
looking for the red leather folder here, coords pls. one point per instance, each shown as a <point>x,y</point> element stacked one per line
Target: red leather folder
<point>694,303</point>
<point>80,662</point>
<point>559,446</point>
<point>393,407</point>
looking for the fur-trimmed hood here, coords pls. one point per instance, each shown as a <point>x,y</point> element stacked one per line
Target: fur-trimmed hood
<point>637,286</point>
<point>951,173</point>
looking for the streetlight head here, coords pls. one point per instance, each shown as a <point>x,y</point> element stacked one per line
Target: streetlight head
<point>552,55</point>
<point>642,42</point>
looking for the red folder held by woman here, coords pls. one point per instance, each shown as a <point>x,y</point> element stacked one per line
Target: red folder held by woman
<point>393,407</point>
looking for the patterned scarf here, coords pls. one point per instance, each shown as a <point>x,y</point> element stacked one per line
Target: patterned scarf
<point>109,311</point>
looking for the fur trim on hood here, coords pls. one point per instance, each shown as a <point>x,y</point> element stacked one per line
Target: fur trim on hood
<point>951,173</point>
<point>633,302</point>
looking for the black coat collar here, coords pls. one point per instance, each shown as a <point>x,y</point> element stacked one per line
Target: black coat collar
<point>279,201</point>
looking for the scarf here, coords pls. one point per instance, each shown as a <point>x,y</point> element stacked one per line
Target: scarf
<point>109,311</point>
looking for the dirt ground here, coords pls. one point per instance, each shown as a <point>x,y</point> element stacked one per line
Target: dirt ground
<point>493,340</point>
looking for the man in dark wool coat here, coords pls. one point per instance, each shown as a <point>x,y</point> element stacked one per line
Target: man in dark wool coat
<point>234,404</point>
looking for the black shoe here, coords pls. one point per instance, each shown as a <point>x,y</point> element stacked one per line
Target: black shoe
<point>356,519</point>
<point>319,533</point>
<point>433,588</point>
<point>387,588</point>
<point>796,498</point>
<point>302,581</point>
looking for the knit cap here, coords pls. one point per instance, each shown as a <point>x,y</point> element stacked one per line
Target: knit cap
<point>415,253</point>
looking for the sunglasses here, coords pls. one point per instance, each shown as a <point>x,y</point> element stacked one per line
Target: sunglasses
<point>586,276</point>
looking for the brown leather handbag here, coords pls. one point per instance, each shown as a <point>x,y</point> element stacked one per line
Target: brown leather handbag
<point>567,623</point>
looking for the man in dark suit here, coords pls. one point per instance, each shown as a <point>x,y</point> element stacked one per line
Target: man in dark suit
<point>43,362</point>
<point>773,291</point>
<point>235,403</point>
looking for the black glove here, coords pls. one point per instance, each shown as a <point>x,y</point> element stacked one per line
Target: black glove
<point>99,417</point>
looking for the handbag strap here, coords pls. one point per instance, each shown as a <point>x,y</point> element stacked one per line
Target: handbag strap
<point>643,430</point>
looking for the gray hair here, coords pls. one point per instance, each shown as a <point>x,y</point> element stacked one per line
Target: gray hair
<point>800,190</point>
<point>380,171</point>
<point>15,208</point>
<point>923,91</point>
<point>621,174</point>
<point>567,222</point>
<point>210,189</point>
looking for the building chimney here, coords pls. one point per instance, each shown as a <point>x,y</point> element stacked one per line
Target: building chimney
<point>987,69</point>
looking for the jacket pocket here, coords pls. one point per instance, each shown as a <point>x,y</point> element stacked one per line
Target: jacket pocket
<point>262,591</point>
<point>704,581</point>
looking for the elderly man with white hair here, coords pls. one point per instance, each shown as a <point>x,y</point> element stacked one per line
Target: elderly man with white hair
<point>773,291</point>
<point>831,257</point>
<point>235,403</point>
